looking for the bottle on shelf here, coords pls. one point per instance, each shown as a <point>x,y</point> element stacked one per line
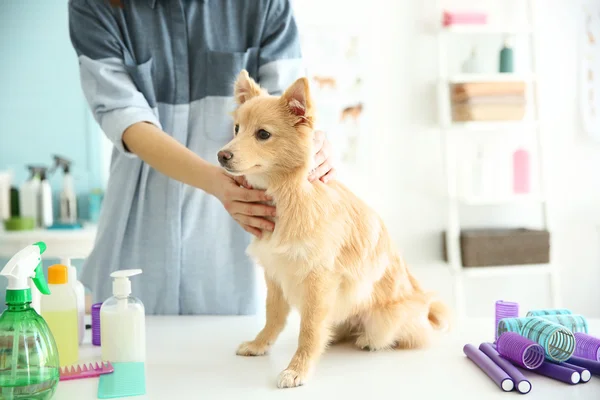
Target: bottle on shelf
<point>46,213</point>
<point>472,65</point>
<point>506,58</point>
<point>521,171</point>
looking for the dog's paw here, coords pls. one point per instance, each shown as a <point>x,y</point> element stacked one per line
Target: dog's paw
<point>289,379</point>
<point>365,343</point>
<point>252,349</point>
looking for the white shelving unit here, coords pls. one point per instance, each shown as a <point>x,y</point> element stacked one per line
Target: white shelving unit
<point>448,128</point>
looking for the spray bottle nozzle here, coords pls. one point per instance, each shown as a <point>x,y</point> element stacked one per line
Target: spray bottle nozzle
<point>26,264</point>
<point>41,246</point>
<point>35,169</point>
<point>62,162</point>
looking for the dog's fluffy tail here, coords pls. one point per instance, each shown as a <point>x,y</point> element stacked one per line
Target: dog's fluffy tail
<point>439,315</point>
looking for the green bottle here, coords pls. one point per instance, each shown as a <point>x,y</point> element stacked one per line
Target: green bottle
<point>28,354</point>
<point>506,58</point>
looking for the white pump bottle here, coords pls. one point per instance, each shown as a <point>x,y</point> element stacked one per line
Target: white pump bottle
<point>123,322</point>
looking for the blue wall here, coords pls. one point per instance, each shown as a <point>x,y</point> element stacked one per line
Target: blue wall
<point>42,108</point>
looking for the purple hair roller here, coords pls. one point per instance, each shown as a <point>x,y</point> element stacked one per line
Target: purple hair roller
<point>96,324</point>
<point>558,372</point>
<point>495,373</point>
<point>587,346</point>
<point>505,309</point>
<point>585,373</point>
<point>521,383</point>
<point>592,366</point>
<point>522,351</point>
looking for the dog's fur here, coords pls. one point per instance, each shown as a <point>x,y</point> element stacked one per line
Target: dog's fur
<point>330,255</point>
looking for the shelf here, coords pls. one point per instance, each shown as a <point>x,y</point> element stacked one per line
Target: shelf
<point>498,77</point>
<point>72,243</point>
<point>492,125</point>
<point>508,270</point>
<point>492,201</point>
<point>486,30</point>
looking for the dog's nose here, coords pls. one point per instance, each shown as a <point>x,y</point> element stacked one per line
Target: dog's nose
<point>224,157</point>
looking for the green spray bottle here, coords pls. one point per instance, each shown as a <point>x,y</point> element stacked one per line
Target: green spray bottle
<point>28,353</point>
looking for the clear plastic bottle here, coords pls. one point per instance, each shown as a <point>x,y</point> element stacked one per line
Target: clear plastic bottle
<point>46,213</point>
<point>123,323</point>
<point>79,290</point>
<point>29,196</point>
<point>25,338</point>
<point>28,354</point>
<point>59,309</point>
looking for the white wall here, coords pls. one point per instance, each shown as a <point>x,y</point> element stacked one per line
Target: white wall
<point>408,185</point>
<point>406,181</point>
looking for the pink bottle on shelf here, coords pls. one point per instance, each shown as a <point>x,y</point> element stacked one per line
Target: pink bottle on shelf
<point>463,18</point>
<point>521,172</point>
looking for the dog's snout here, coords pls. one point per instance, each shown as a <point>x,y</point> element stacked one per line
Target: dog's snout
<point>224,157</point>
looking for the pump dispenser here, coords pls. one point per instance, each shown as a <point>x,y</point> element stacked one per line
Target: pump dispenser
<point>29,354</point>
<point>122,322</point>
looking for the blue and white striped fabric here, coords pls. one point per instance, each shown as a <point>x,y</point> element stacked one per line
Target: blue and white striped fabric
<point>173,63</point>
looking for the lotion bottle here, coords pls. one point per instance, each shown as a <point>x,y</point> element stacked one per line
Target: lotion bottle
<point>123,322</point>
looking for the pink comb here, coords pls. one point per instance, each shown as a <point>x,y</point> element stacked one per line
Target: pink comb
<point>85,371</point>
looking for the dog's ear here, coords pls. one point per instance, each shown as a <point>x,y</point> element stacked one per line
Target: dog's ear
<point>297,98</point>
<point>245,88</point>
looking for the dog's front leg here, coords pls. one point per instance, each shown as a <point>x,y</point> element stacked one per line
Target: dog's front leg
<point>314,331</point>
<point>277,313</point>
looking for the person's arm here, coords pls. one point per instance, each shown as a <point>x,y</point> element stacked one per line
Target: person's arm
<point>132,125</point>
<point>120,109</point>
<point>168,156</point>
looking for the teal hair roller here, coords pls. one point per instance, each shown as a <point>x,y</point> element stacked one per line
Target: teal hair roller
<point>549,311</point>
<point>558,341</point>
<point>573,322</point>
<point>511,325</point>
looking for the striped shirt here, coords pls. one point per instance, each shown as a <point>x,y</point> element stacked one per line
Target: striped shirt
<point>173,63</point>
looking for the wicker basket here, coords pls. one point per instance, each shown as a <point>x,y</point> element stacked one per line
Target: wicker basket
<point>495,247</point>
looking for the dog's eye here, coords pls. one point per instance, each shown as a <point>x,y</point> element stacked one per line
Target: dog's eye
<point>236,129</point>
<point>262,135</point>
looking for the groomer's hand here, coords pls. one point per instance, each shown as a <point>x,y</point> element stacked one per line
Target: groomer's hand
<point>241,202</point>
<point>323,159</point>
